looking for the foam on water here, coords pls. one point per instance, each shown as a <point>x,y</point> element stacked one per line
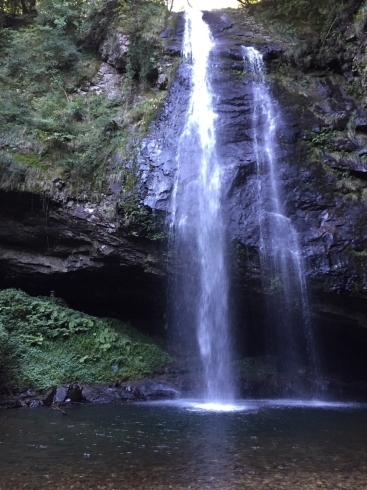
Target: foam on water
<point>195,405</point>
<point>252,405</point>
<point>216,407</point>
<point>313,404</point>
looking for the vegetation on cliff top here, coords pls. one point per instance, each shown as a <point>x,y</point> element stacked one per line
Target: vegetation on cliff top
<point>56,123</point>
<point>43,343</point>
<point>312,28</point>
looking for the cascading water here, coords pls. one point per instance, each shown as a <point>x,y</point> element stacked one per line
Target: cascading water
<point>200,284</point>
<point>282,264</point>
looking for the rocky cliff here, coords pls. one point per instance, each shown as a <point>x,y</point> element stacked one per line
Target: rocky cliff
<point>322,167</point>
<point>92,257</point>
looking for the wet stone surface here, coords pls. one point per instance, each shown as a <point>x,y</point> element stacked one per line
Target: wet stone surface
<point>134,390</point>
<point>168,446</point>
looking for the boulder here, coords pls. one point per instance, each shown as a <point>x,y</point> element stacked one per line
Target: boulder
<point>155,390</point>
<point>69,394</point>
<point>114,49</point>
<point>61,394</point>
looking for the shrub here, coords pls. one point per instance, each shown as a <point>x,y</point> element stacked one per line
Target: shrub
<point>49,344</point>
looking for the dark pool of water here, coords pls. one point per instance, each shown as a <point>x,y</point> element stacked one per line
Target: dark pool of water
<point>272,445</point>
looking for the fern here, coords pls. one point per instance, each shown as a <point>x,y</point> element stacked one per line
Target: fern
<point>45,344</point>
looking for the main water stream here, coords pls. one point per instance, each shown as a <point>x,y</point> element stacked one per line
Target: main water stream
<point>200,283</point>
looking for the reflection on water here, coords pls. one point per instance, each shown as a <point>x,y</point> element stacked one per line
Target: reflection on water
<point>256,445</point>
<point>255,404</point>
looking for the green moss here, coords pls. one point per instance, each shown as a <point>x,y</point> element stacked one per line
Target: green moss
<point>48,344</point>
<point>364,195</point>
<point>139,220</point>
<point>50,120</point>
<point>307,20</point>
<point>276,284</point>
<point>30,160</point>
<point>141,115</point>
<point>236,75</point>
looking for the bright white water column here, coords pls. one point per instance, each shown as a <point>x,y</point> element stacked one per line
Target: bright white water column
<point>200,292</point>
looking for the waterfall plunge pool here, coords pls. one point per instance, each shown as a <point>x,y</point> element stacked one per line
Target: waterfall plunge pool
<point>255,444</point>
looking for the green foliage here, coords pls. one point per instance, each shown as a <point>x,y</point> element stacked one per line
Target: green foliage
<point>105,338</point>
<point>16,7</point>
<point>296,11</point>
<point>139,220</point>
<point>40,66</point>
<point>142,18</point>
<point>141,115</point>
<point>61,14</point>
<point>3,341</point>
<point>31,52</point>
<point>12,173</point>
<point>49,120</point>
<point>360,20</point>
<point>320,139</point>
<point>306,25</point>
<point>48,344</point>
<point>142,21</point>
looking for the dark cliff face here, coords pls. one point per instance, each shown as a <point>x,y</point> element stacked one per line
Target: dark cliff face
<point>81,255</point>
<point>98,248</point>
<point>90,260</point>
<point>322,170</point>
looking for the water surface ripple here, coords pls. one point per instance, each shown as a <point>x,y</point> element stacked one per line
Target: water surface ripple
<point>277,444</point>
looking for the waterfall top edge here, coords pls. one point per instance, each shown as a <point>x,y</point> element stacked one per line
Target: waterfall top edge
<point>205,5</point>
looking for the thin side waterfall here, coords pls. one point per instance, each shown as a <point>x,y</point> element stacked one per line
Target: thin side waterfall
<point>200,283</point>
<point>282,263</point>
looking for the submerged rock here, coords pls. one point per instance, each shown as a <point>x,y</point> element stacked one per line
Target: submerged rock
<point>135,390</point>
<point>155,390</point>
<point>104,393</point>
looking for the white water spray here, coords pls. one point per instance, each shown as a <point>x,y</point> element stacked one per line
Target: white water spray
<point>199,236</point>
<point>282,263</point>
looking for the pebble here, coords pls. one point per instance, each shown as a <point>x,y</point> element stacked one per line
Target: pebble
<point>119,480</point>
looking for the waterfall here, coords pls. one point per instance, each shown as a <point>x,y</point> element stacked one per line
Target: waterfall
<point>282,263</point>
<point>198,244</point>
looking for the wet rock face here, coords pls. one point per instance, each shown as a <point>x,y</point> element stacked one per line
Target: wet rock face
<point>157,160</point>
<point>84,251</point>
<point>153,390</point>
<point>136,390</point>
<point>114,49</point>
<point>85,258</point>
<point>321,166</point>
<point>324,178</point>
<point>79,249</point>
